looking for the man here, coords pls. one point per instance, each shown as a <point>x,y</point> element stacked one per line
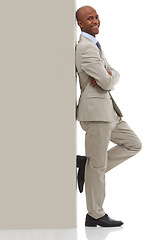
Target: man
<point>99,117</point>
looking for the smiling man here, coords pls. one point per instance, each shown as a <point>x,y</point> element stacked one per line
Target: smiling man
<point>99,117</point>
<point>88,20</point>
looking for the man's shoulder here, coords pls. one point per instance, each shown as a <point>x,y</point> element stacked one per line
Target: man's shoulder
<point>84,44</point>
<point>85,41</point>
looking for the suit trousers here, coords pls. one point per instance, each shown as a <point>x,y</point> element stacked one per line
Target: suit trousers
<point>101,160</point>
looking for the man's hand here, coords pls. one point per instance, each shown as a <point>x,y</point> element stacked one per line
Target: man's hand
<point>92,81</point>
<point>109,72</point>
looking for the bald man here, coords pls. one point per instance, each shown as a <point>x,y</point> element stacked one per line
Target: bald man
<point>99,117</point>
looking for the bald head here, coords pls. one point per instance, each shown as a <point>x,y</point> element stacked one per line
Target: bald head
<point>88,20</point>
<point>82,11</point>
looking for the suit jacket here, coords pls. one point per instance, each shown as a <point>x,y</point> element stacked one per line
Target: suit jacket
<point>95,103</point>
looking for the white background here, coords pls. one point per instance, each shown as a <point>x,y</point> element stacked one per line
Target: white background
<point>125,39</point>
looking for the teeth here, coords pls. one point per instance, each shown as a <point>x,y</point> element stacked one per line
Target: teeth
<point>95,27</point>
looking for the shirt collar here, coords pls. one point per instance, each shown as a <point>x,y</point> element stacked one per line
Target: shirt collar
<point>90,37</point>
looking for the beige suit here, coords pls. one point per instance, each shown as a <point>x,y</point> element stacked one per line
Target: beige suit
<point>101,119</point>
<point>90,62</point>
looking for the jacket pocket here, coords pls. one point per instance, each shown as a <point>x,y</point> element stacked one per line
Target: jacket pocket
<point>96,95</point>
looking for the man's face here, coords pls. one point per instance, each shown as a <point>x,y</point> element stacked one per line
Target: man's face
<point>89,21</point>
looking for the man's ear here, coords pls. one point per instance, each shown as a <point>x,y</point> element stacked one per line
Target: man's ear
<point>80,24</point>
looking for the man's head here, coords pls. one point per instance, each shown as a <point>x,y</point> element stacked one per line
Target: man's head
<point>88,20</point>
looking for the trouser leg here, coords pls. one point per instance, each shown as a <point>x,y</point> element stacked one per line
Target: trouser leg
<point>98,136</point>
<point>96,143</point>
<point>128,145</point>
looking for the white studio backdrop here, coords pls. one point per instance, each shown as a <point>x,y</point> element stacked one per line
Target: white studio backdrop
<point>125,38</point>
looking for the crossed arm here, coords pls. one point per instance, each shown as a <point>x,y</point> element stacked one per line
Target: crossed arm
<point>99,70</point>
<point>92,81</point>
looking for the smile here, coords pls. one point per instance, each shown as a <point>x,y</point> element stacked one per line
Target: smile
<point>95,26</point>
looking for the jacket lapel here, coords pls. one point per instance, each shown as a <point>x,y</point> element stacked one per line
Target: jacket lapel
<point>83,38</point>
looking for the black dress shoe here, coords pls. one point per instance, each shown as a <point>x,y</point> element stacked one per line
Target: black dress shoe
<point>81,161</point>
<point>104,221</point>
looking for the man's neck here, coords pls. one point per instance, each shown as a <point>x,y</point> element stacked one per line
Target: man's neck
<point>89,36</point>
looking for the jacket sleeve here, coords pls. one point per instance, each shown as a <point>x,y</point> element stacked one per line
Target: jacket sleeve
<point>95,66</point>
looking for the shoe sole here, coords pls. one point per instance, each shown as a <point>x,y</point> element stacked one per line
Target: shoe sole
<point>95,225</point>
<point>90,225</point>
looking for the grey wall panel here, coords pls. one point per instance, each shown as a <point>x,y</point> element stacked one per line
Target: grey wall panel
<point>37,115</point>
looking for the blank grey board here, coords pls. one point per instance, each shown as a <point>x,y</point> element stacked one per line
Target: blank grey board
<point>37,115</point>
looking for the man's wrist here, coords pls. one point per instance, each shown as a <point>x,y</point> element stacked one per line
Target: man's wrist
<point>110,71</point>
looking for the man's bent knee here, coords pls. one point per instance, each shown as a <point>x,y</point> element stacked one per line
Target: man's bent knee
<point>137,145</point>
